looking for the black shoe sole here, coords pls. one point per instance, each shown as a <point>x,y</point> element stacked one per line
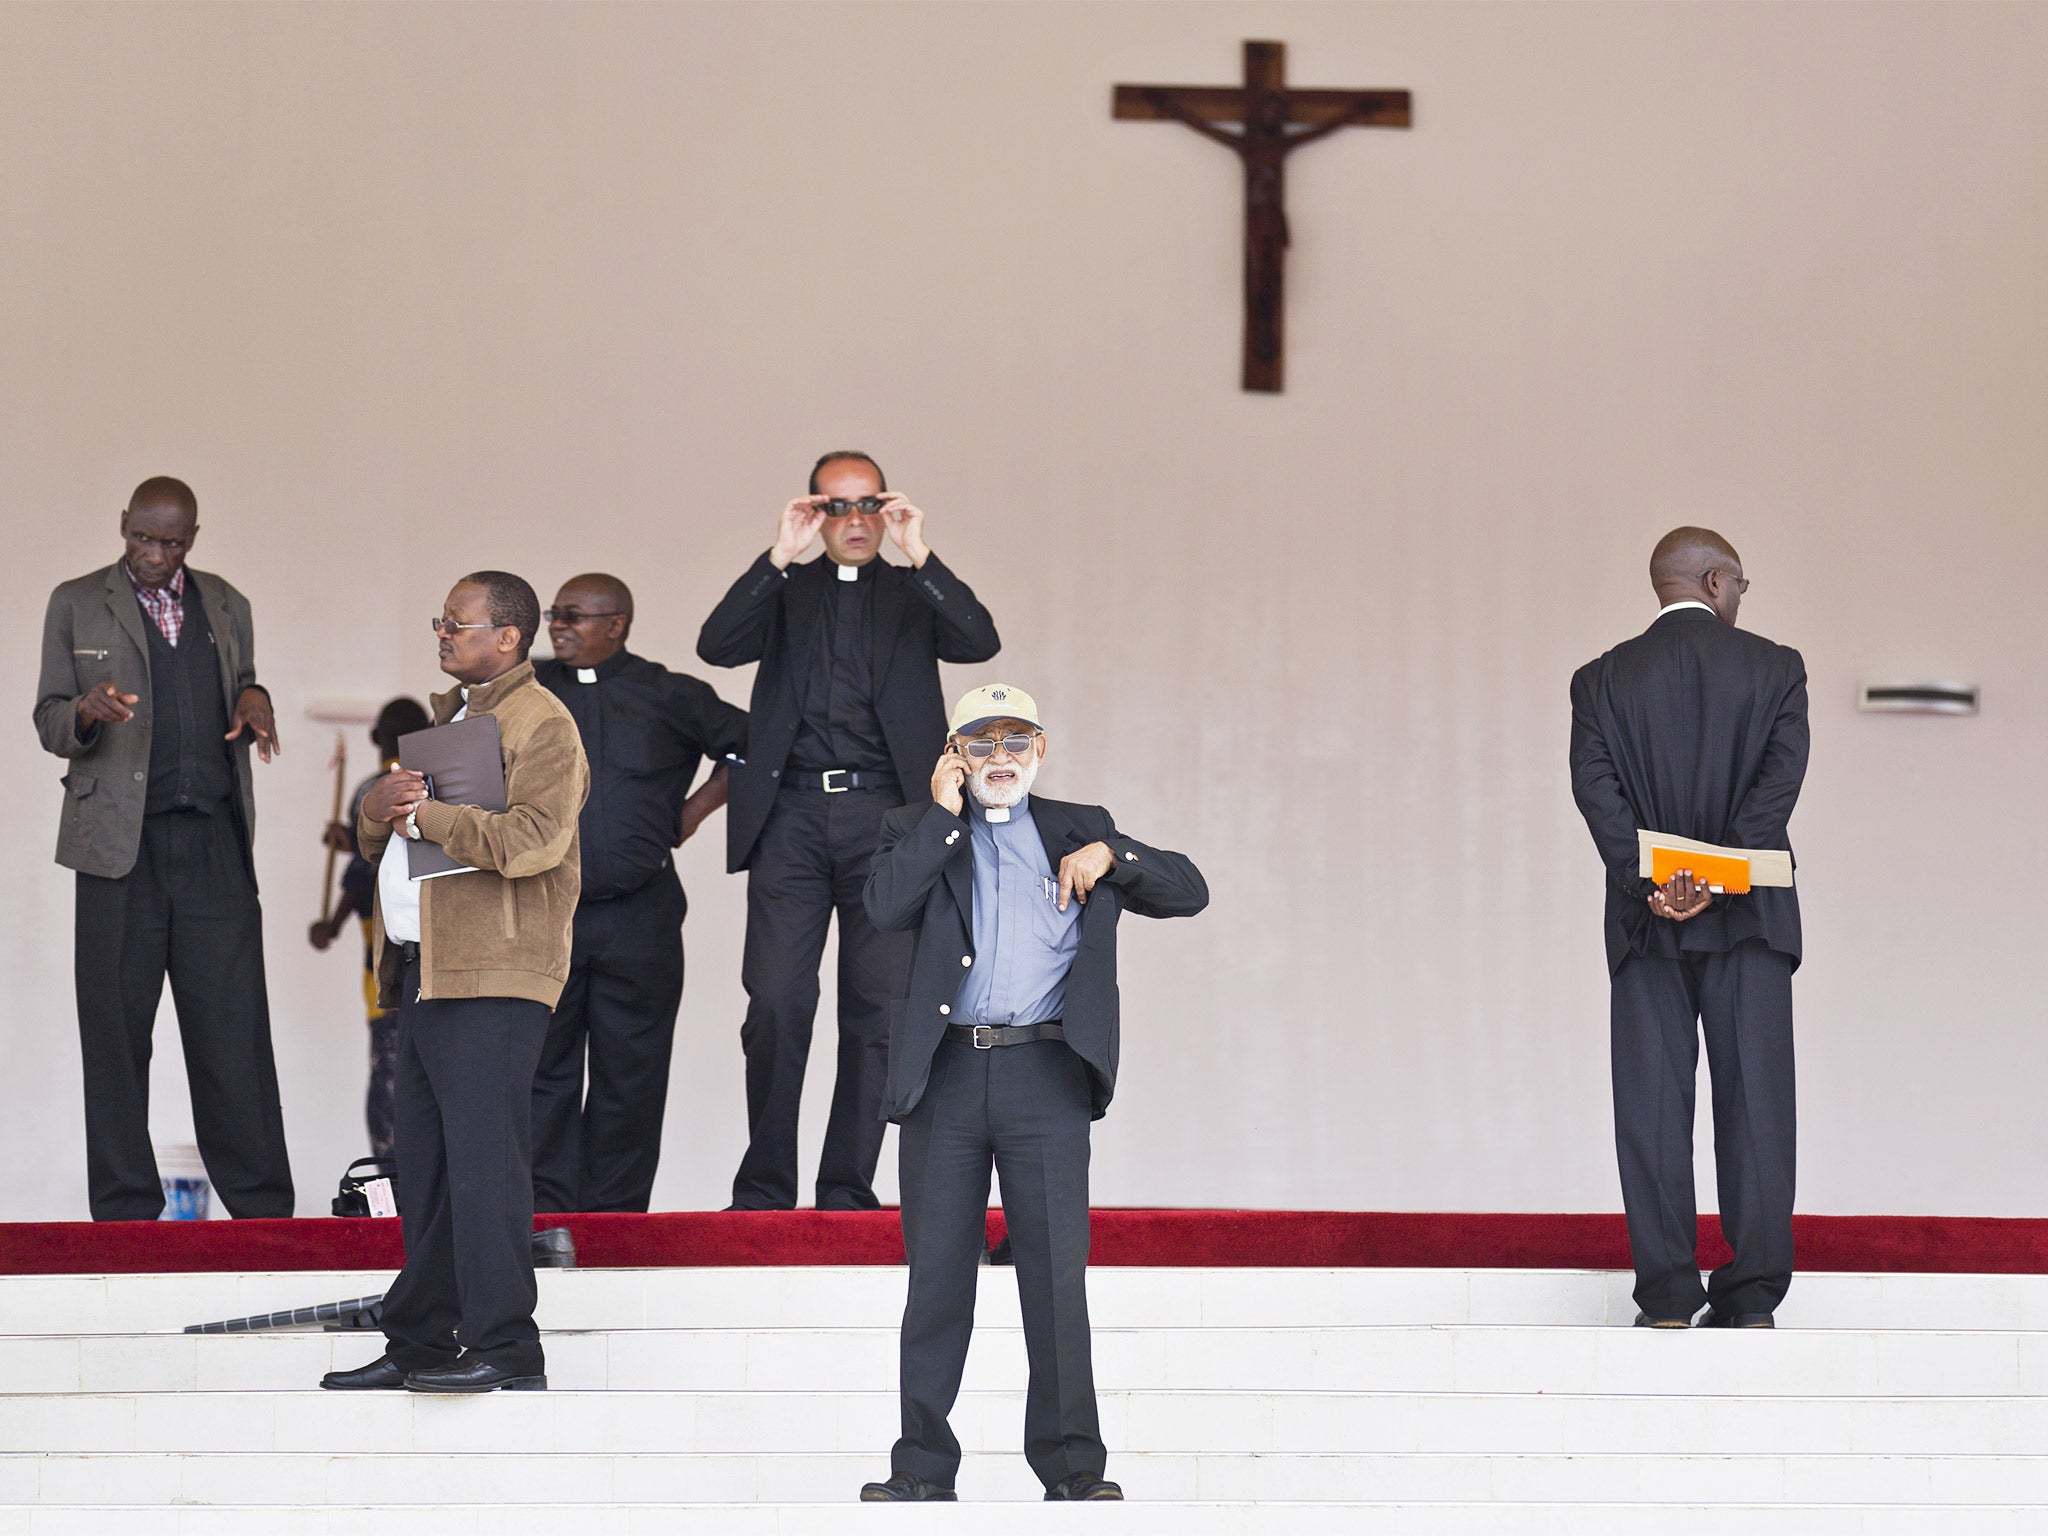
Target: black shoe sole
<point>948,1497</point>
<point>335,1386</point>
<point>509,1384</point>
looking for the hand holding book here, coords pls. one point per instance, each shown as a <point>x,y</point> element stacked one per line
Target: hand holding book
<point>1689,874</point>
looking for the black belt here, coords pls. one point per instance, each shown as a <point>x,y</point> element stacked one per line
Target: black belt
<point>983,1036</point>
<point>837,781</point>
<point>408,952</point>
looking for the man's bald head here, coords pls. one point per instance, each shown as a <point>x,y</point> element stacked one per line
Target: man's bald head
<point>592,616</point>
<point>1697,565</point>
<point>597,590</point>
<point>165,491</point>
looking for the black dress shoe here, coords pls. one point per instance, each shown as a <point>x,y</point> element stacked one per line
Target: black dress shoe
<point>467,1375</point>
<point>554,1248</point>
<point>907,1488</point>
<point>1717,1319</point>
<point>1083,1485</point>
<point>1644,1320</point>
<point>380,1375</point>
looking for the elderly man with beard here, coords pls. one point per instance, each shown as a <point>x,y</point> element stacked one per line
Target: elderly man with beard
<point>1002,1055</point>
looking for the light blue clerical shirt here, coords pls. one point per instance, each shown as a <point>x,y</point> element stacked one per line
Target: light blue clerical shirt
<point>1023,943</point>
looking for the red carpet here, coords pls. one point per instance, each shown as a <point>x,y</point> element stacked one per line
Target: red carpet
<point>1184,1238</point>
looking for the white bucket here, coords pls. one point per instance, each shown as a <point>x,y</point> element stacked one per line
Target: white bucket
<point>187,1191</point>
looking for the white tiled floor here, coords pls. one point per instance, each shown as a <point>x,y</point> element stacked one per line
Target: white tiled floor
<point>729,1401</point>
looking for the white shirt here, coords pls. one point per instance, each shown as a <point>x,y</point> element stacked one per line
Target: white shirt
<point>397,892</point>
<point>1690,602</point>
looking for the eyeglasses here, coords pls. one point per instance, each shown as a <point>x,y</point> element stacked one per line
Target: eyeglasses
<point>981,747</point>
<point>577,615</point>
<point>448,627</point>
<point>1741,582</point>
<point>867,506</point>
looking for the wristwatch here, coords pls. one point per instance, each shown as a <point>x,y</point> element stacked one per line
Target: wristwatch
<point>412,823</point>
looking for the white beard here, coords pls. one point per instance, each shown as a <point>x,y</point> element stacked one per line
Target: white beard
<point>1009,794</point>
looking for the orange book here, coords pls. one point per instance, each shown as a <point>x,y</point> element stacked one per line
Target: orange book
<point>1726,871</point>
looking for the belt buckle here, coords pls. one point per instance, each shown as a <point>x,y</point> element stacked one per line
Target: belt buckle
<point>984,1036</point>
<point>830,787</point>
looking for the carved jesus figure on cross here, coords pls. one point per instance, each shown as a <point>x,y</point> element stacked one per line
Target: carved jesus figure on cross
<point>1268,112</point>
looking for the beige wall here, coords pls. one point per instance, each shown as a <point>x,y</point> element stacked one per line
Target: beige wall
<point>406,290</point>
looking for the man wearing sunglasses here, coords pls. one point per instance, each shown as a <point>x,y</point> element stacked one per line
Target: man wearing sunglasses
<point>474,960</point>
<point>845,717</point>
<point>646,731</point>
<point>1001,1056</point>
<point>1698,729</point>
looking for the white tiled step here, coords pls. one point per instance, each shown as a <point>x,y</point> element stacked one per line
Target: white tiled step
<point>810,1422</point>
<point>834,1478</point>
<point>1007,1519</point>
<point>872,1296</point>
<point>1435,1358</point>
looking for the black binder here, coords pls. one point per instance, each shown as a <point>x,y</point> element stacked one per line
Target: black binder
<point>464,764</point>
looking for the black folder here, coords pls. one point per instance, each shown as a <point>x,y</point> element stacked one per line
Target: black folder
<point>465,765</point>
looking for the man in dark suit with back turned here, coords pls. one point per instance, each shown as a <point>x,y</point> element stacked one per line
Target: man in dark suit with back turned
<point>1001,1056</point>
<point>149,691</point>
<point>1697,729</point>
<point>845,720</point>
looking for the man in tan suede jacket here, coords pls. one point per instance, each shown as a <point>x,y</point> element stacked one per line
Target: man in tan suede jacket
<point>474,961</point>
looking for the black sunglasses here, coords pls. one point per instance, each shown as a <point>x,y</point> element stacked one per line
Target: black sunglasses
<point>867,506</point>
<point>577,615</point>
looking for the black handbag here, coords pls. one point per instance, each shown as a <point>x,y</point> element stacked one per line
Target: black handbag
<point>352,1198</point>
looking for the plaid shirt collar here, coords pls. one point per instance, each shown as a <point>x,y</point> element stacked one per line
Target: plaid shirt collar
<point>165,604</point>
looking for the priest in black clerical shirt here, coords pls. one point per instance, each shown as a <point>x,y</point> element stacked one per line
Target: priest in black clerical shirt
<point>646,731</point>
<point>846,719</point>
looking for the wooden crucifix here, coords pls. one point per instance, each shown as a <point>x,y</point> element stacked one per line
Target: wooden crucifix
<point>1275,121</point>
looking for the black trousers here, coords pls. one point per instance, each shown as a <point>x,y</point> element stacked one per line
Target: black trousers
<point>812,860</point>
<point>1742,1001</point>
<point>187,909</point>
<point>1025,1110</point>
<point>465,1181</point>
<point>598,1151</point>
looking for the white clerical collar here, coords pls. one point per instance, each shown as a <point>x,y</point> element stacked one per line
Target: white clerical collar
<point>586,674</point>
<point>847,572</point>
<point>998,814</point>
<point>1690,602</point>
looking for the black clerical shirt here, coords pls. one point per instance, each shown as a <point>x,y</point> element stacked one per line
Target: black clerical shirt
<point>837,725</point>
<point>646,730</point>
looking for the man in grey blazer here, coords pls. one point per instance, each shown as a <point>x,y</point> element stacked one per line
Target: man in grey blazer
<point>149,692</point>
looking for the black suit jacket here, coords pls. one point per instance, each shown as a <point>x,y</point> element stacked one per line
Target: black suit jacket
<point>922,617</point>
<point>923,879</point>
<point>1695,728</point>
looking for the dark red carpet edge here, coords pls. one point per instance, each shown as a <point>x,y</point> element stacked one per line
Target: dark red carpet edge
<point>1341,1239</point>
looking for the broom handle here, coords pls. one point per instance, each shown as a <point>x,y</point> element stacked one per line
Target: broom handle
<point>340,778</point>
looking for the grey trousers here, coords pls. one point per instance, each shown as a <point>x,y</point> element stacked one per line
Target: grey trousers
<point>1023,1110</point>
<point>1742,1002</point>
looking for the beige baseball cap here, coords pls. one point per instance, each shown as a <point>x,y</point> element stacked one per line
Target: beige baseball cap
<point>990,703</point>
